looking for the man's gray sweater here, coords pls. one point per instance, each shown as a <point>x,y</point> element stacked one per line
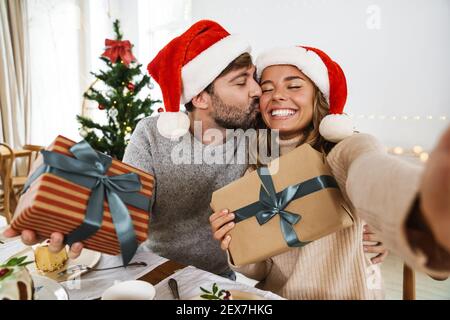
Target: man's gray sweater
<point>179,227</point>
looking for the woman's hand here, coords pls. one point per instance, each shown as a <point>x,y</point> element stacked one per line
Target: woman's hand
<point>377,247</point>
<point>221,224</point>
<point>435,190</point>
<point>56,244</point>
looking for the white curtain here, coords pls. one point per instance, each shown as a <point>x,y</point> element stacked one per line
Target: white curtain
<point>67,37</point>
<point>57,66</point>
<point>14,73</point>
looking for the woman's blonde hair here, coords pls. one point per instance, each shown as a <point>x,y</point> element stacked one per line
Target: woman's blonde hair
<point>311,134</point>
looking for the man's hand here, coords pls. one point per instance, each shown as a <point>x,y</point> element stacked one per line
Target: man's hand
<point>435,192</point>
<point>56,241</point>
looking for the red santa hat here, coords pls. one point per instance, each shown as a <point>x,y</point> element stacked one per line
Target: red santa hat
<point>187,65</point>
<point>326,74</point>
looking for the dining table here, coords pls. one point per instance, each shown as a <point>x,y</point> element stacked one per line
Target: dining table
<point>157,271</point>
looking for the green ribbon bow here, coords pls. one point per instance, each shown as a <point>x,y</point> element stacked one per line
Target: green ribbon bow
<point>271,203</point>
<point>88,169</point>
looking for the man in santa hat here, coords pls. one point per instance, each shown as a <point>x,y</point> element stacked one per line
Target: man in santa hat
<point>211,72</point>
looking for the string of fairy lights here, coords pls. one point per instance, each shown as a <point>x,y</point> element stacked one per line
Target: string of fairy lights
<point>416,151</point>
<point>398,117</point>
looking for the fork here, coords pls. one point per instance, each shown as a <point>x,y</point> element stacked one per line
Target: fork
<point>80,267</point>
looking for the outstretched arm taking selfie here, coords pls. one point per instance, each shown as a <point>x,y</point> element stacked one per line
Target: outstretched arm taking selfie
<point>406,205</point>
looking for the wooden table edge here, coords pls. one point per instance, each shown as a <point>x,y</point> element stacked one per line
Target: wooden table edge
<point>161,272</point>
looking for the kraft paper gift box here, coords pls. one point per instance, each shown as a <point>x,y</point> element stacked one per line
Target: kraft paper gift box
<point>289,203</point>
<point>70,182</point>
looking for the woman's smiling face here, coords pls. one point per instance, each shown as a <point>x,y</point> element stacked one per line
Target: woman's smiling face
<point>287,100</point>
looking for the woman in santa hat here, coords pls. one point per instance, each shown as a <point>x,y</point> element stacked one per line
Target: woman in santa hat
<point>303,96</point>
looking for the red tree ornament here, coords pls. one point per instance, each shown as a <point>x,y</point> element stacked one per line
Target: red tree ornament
<point>101,107</point>
<point>130,86</point>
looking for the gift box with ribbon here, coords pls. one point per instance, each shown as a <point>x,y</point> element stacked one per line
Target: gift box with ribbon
<point>288,204</point>
<point>87,196</point>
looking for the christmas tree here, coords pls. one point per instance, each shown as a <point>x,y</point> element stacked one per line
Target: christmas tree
<point>122,82</point>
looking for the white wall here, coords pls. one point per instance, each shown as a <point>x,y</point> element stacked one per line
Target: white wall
<point>395,54</point>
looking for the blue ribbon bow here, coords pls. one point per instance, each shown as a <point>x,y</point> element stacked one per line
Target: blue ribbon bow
<point>88,169</point>
<point>272,203</point>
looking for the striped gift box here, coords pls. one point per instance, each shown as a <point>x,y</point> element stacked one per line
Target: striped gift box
<point>55,204</point>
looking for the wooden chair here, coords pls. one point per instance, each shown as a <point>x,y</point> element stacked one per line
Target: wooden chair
<point>13,184</point>
<point>18,181</point>
<point>409,283</point>
<point>35,149</point>
<point>6,165</point>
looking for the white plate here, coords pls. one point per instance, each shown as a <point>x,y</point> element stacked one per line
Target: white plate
<point>87,258</point>
<point>48,289</point>
<point>130,290</point>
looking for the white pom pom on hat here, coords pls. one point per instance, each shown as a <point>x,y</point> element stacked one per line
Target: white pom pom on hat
<point>173,125</point>
<point>187,65</point>
<point>326,74</point>
<point>336,127</point>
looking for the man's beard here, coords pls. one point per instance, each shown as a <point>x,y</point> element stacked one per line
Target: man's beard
<point>231,117</point>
